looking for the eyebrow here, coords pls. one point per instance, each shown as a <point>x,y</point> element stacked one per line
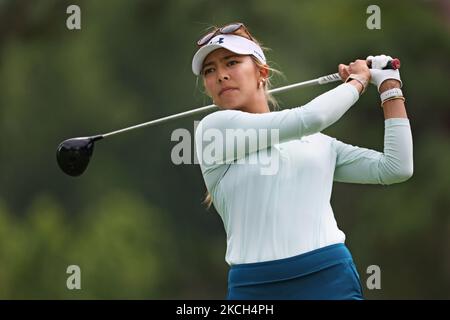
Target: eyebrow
<point>224,58</point>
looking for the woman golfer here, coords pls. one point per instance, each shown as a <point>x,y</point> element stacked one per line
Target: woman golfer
<point>273,191</point>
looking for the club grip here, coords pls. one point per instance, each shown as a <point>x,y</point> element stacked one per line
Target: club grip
<point>393,64</point>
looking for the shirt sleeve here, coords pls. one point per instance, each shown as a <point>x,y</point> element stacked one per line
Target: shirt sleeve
<point>361,165</point>
<point>218,135</point>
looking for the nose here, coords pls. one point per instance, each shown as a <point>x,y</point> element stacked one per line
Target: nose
<point>222,75</point>
<point>222,78</point>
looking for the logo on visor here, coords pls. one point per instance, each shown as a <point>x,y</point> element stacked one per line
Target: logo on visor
<point>220,41</point>
<point>259,55</point>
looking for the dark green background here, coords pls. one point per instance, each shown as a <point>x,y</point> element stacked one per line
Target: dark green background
<point>134,221</point>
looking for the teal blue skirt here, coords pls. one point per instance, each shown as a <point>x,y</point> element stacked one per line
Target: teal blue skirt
<point>327,273</point>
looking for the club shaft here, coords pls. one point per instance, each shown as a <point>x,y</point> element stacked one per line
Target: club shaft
<point>321,80</point>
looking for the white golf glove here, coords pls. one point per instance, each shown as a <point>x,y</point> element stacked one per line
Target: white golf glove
<point>378,75</point>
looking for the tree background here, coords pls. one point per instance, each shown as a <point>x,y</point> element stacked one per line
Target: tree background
<point>134,221</point>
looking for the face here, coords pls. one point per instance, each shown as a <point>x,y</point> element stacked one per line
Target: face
<point>223,69</point>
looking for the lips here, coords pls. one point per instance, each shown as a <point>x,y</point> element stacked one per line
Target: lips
<point>226,89</point>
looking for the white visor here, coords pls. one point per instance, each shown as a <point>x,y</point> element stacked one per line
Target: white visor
<point>236,44</point>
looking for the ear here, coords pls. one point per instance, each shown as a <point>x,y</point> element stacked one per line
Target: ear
<point>264,71</point>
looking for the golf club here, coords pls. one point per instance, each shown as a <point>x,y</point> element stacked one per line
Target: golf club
<point>73,155</point>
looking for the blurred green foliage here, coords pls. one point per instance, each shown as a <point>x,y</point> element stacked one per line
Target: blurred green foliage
<point>134,222</point>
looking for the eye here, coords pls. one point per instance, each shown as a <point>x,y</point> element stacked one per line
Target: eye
<point>206,71</point>
<point>232,62</point>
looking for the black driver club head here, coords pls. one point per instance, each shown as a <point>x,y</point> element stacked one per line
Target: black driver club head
<point>73,155</point>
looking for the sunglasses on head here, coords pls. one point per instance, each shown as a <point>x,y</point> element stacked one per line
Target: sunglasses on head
<point>227,29</point>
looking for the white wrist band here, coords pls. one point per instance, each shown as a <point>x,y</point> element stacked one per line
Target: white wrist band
<point>395,92</point>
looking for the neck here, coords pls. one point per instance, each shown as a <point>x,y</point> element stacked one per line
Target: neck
<point>257,105</point>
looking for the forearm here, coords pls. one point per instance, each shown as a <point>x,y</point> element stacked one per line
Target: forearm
<point>327,108</point>
<point>396,164</point>
<point>393,108</point>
